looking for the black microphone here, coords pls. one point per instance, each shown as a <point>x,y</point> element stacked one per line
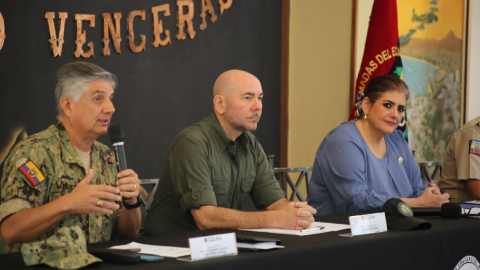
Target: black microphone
<point>448,210</point>
<point>116,137</point>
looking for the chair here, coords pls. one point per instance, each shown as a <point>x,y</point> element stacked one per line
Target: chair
<point>147,200</point>
<point>270,159</point>
<point>425,170</point>
<point>286,181</point>
<point>284,178</point>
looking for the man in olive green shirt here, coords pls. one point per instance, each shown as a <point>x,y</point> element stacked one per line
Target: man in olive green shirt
<point>215,164</point>
<point>461,166</point>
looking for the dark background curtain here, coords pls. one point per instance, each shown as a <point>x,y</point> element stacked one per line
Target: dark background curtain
<point>161,90</point>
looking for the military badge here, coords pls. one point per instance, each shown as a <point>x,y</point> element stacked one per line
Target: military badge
<point>404,209</point>
<point>32,173</point>
<point>474,147</point>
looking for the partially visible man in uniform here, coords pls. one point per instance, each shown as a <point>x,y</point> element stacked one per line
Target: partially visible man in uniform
<point>62,176</point>
<point>215,164</point>
<point>461,166</point>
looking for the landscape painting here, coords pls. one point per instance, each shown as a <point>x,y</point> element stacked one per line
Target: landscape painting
<point>431,45</point>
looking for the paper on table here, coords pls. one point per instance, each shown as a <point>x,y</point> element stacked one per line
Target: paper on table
<point>262,246</point>
<point>165,251</point>
<point>473,202</point>
<point>329,227</point>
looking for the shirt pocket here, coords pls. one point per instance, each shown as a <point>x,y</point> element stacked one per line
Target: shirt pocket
<point>247,184</point>
<point>221,188</point>
<point>61,186</point>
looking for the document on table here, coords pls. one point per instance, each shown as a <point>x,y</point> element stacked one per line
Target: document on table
<point>165,251</point>
<point>315,228</point>
<point>262,245</point>
<point>473,202</point>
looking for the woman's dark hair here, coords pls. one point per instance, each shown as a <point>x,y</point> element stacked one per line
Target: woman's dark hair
<point>382,84</point>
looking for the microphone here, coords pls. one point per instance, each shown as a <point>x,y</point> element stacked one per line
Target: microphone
<point>448,210</point>
<point>116,137</point>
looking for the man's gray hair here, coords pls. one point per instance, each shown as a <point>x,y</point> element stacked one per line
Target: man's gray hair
<point>73,80</point>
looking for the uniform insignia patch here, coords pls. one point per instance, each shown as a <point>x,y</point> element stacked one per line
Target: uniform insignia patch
<point>474,147</point>
<point>32,173</point>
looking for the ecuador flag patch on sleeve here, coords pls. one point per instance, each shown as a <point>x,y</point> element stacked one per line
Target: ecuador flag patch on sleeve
<point>32,173</point>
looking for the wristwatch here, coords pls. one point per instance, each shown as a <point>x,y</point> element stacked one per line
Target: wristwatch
<point>132,206</point>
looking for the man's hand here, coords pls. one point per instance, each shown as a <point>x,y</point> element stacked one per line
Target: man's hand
<point>129,186</point>
<point>87,198</point>
<point>128,223</point>
<point>295,215</point>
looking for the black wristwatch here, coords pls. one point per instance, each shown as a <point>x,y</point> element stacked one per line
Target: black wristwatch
<point>132,206</point>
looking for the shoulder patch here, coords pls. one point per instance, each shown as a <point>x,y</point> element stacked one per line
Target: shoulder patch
<point>32,173</point>
<point>474,147</point>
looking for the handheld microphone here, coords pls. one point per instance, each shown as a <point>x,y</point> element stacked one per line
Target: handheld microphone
<point>116,137</point>
<point>448,210</point>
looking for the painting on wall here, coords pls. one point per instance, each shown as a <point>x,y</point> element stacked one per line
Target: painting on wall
<point>432,48</point>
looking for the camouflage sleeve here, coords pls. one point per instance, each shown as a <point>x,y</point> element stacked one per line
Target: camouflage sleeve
<point>12,206</point>
<point>16,186</point>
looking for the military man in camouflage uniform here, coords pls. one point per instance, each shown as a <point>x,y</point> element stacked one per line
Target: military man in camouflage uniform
<point>62,176</point>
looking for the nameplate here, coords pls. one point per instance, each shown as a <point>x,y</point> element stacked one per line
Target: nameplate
<point>213,246</point>
<point>367,224</point>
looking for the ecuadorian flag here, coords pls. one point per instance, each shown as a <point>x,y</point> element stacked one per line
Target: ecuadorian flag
<point>381,55</point>
<point>475,147</point>
<point>32,173</point>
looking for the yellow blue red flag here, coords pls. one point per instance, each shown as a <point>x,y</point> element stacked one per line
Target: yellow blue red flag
<point>381,55</point>
<point>32,173</point>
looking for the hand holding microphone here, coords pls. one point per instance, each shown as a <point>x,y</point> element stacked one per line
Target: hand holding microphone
<point>128,181</point>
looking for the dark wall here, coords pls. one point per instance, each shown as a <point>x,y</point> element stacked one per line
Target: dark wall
<point>161,90</point>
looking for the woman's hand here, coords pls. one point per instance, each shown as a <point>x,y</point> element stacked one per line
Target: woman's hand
<point>437,189</point>
<point>431,197</point>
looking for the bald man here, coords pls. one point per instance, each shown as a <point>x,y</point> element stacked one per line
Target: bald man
<point>215,164</point>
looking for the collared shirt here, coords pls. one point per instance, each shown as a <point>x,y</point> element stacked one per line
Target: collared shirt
<point>54,155</point>
<point>205,167</point>
<point>347,177</point>
<point>462,161</point>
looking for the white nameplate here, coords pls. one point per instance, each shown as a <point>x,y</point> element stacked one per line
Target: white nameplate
<point>367,224</point>
<point>213,246</point>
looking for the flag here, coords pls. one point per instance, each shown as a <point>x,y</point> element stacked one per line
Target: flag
<point>381,55</point>
<point>32,173</point>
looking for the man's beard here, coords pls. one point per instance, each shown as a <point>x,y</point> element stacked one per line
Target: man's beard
<point>237,123</point>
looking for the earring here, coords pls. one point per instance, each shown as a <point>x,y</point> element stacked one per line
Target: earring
<point>365,117</point>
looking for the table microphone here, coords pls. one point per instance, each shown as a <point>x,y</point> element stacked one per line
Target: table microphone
<point>448,210</point>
